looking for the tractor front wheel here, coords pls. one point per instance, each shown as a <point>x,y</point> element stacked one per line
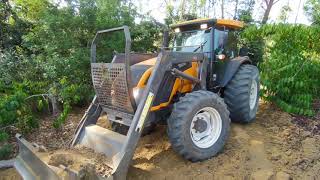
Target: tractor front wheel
<point>199,125</point>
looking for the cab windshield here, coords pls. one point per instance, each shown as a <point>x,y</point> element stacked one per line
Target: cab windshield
<point>190,41</point>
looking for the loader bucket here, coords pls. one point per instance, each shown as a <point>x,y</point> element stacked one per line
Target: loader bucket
<point>31,167</point>
<point>104,141</point>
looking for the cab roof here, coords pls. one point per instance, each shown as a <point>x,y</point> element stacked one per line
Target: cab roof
<point>233,24</point>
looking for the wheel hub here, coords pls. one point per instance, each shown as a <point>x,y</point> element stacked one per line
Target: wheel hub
<point>206,127</point>
<point>200,125</point>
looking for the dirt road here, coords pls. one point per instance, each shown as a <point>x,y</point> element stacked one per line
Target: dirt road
<point>272,147</point>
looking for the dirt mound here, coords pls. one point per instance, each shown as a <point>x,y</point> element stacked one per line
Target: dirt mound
<point>80,159</point>
<point>60,159</point>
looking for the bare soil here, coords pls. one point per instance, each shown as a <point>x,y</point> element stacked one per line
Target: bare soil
<point>275,146</point>
<point>80,159</point>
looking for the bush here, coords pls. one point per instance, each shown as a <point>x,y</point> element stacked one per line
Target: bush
<point>252,39</point>
<point>290,65</point>
<point>5,151</point>
<point>3,136</point>
<point>14,110</point>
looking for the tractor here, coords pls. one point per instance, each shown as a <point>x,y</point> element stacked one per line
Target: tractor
<point>197,84</point>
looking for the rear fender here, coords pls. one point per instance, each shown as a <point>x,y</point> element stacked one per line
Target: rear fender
<point>232,68</point>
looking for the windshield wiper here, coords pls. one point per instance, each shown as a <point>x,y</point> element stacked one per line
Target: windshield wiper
<point>201,45</point>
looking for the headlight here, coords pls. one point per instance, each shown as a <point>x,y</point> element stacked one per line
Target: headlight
<point>203,26</point>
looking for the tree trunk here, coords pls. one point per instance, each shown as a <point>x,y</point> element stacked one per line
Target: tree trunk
<point>182,9</point>
<point>214,8</point>
<point>222,9</point>
<point>269,4</point>
<point>295,20</point>
<point>54,103</point>
<point>236,10</point>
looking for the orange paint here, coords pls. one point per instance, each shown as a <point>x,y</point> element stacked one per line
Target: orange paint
<point>180,85</point>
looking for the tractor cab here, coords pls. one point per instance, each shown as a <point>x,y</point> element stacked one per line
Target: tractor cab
<point>210,36</point>
<point>216,38</point>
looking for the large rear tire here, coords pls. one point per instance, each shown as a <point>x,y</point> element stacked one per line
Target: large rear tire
<point>199,125</point>
<point>242,94</point>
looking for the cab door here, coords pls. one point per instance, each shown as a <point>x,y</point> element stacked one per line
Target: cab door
<point>225,48</point>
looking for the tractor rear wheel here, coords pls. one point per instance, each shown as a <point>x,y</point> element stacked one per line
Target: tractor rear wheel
<point>242,94</point>
<point>199,125</point>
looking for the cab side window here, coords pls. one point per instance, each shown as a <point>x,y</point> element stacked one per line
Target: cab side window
<point>232,45</point>
<point>225,42</point>
<point>220,37</point>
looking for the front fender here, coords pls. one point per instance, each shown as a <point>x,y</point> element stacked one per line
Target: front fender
<point>232,67</point>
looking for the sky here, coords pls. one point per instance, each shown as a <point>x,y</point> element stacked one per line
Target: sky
<point>157,9</point>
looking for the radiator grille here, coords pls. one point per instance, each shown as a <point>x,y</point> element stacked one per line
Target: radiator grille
<point>110,84</point>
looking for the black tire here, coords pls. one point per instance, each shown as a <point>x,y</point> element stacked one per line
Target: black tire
<point>237,94</point>
<point>181,119</point>
<point>123,129</point>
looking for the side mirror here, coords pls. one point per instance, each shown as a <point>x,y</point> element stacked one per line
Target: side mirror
<point>165,42</point>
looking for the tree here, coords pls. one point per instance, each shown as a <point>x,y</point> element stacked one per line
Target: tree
<point>312,9</point>
<point>236,9</point>
<point>245,11</point>
<point>267,7</point>
<point>182,9</point>
<point>51,56</point>
<point>222,9</point>
<point>12,27</point>
<point>284,13</point>
<point>295,20</point>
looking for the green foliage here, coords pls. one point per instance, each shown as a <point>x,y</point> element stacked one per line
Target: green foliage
<point>290,68</point>
<point>63,116</point>
<point>312,9</point>
<point>5,151</point>
<point>3,137</point>
<point>14,110</point>
<point>45,49</point>
<point>284,13</point>
<point>245,11</point>
<point>245,16</point>
<point>12,26</point>
<point>146,37</point>
<point>253,39</point>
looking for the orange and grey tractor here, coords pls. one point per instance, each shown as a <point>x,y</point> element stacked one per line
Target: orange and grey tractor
<point>197,86</point>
